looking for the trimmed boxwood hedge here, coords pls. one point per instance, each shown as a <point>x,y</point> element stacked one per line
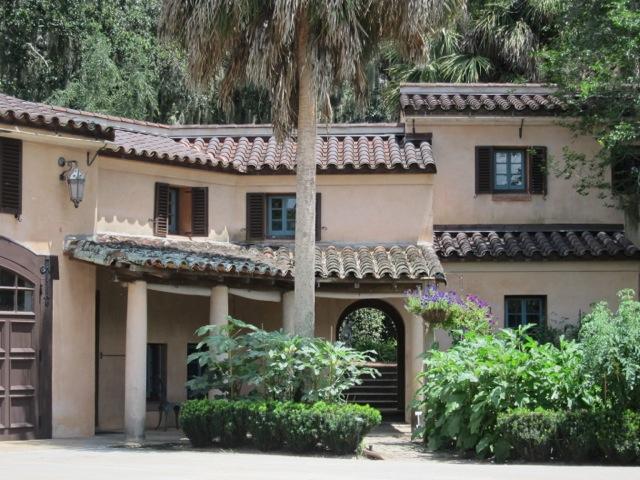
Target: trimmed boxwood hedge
<point>573,436</point>
<point>298,427</point>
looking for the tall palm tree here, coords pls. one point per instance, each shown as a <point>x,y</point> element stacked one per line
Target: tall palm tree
<point>298,50</point>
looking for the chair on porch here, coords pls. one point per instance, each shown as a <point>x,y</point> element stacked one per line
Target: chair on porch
<point>165,407</point>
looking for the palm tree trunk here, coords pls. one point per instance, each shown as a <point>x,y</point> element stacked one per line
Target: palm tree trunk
<point>304,286</point>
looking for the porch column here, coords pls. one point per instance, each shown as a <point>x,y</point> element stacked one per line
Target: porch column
<point>416,346</point>
<point>219,305</point>
<point>135,370</point>
<point>288,315</point>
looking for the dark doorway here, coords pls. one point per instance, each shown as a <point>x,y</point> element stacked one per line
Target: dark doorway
<point>25,343</point>
<point>376,325</point>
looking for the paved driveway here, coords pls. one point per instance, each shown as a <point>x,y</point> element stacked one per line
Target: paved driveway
<point>100,458</point>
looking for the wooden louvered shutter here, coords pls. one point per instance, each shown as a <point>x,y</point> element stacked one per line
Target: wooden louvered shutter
<point>484,169</point>
<point>161,210</point>
<point>11,176</point>
<point>318,216</point>
<point>538,170</point>
<point>256,216</point>
<point>200,211</point>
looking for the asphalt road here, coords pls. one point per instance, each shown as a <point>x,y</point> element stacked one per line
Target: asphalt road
<point>96,459</point>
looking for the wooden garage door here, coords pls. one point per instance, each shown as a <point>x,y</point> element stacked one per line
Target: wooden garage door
<point>24,378</point>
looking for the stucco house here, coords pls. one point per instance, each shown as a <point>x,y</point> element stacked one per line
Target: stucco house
<point>181,225</point>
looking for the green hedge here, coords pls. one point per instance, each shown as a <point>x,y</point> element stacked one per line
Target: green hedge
<point>298,427</point>
<point>578,436</point>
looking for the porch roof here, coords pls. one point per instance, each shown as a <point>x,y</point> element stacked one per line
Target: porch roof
<point>341,262</point>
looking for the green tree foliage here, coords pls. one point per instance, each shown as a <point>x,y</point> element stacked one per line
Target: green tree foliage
<point>104,56</point>
<point>494,41</point>
<point>611,344</point>
<point>596,60</point>
<point>370,330</point>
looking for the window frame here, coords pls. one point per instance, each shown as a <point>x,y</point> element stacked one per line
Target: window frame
<point>525,170</point>
<point>284,233</point>
<point>151,401</point>
<point>523,313</point>
<point>173,210</point>
<point>16,289</point>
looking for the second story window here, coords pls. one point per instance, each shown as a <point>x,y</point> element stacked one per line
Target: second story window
<point>273,216</point>
<point>281,215</point>
<point>181,210</point>
<point>506,170</point>
<point>509,173</point>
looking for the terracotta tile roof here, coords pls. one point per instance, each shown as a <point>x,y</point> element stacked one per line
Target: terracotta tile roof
<point>259,154</point>
<point>492,99</point>
<point>344,262</point>
<point>21,112</point>
<point>538,243</point>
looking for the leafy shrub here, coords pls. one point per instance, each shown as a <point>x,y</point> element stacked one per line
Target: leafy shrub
<point>611,344</point>
<point>342,427</point>
<point>583,435</point>
<point>529,435</point>
<point>196,419</point>
<point>265,426</point>
<point>338,428</point>
<point>277,366</point>
<point>466,387</point>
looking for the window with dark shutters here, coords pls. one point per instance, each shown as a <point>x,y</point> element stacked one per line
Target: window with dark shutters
<point>161,210</point>
<point>484,169</point>
<point>10,176</point>
<point>257,216</point>
<point>489,176</point>
<point>538,169</point>
<point>181,210</point>
<point>200,211</point>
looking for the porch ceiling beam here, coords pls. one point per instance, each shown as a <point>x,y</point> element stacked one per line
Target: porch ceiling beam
<point>261,295</point>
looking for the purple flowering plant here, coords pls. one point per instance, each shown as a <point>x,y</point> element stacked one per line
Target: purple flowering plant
<point>449,310</point>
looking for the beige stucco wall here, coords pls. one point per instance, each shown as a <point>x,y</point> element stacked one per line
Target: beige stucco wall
<point>455,201</point>
<point>47,216</point>
<point>381,207</point>
<point>570,287</point>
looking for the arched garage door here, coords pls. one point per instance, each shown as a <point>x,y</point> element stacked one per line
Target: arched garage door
<point>25,343</point>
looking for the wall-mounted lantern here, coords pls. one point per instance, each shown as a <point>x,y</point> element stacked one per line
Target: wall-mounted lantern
<point>75,179</point>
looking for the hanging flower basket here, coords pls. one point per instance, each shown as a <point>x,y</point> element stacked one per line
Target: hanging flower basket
<point>435,316</point>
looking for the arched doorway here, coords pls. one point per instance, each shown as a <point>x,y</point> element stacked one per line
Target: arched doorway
<point>377,325</point>
<point>25,343</point>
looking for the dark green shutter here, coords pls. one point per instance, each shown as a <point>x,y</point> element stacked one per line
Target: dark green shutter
<point>484,170</point>
<point>538,170</point>
<point>200,211</point>
<point>256,216</point>
<point>318,216</point>
<point>10,176</point>
<point>161,210</point>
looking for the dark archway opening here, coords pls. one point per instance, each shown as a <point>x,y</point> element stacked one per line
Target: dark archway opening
<point>377,325</point>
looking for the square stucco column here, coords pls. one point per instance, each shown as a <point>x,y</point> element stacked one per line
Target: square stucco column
<point>135,370</point>
<point>288,315</point>
<point>219,305</point>
<point>421,338</point>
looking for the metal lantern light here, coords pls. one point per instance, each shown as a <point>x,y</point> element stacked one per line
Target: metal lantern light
<point>75,179</point>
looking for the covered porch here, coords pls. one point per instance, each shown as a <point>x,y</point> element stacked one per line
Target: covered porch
<point>152,294</point>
